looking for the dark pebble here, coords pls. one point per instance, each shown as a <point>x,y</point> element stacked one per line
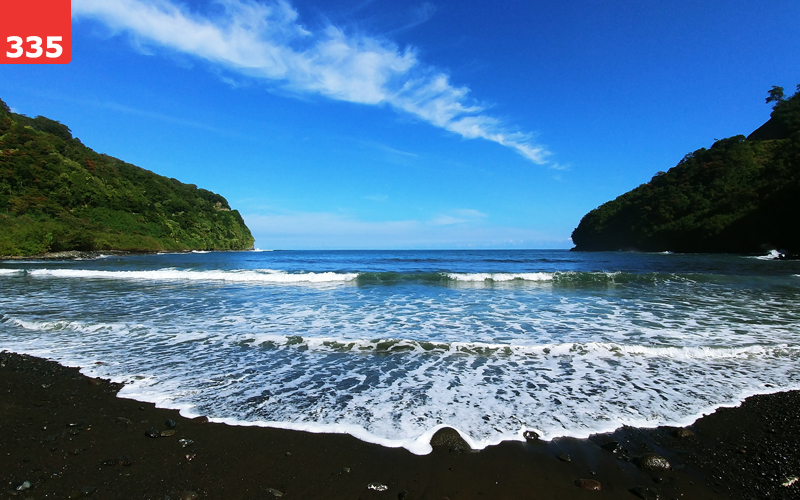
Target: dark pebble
<point>613,447</point>
<point>564,457</point>
<point>683,433</point>
<point>152,432</point>
<point>653,461</point>
<point>170,424</point>
<point>450,438</point>
<point>189,495</point>
<point>588,484</point>
<point>530,435</point>
<point>201,420</point>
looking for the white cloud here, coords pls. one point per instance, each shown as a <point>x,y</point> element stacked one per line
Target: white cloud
<point>469,213</point>
<point>446,220</point>
<point>317,230</point>
<point>266,40</point>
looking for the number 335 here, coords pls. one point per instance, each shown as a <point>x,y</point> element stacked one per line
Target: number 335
<point>53,47</point>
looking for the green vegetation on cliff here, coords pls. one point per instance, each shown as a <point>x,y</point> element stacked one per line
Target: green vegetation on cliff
<point>741,195</point>
<point>57,194</point>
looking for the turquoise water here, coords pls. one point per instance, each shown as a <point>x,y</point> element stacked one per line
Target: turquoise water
<point>390,346</point>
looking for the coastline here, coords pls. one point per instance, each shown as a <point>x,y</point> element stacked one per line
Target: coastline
<point>70,255</point>
<point>69,436</point>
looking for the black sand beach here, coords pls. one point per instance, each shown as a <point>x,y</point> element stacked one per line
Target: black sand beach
<point>63,435</point>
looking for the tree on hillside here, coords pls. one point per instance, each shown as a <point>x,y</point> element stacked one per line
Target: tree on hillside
<point>775,95</point>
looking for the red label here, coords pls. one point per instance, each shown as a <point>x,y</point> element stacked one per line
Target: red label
<point>35,32</point>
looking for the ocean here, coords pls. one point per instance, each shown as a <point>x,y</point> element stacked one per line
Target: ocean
<point>390,346</point>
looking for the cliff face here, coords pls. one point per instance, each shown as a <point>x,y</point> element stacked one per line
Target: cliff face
<point>57,194</point>
<point>741,195</point>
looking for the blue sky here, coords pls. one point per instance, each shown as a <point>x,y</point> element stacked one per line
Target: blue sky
<point>401,124</point>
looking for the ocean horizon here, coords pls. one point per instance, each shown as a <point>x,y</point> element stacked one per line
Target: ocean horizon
<point>390,346</point>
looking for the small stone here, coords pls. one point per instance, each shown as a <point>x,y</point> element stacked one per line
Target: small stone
<point>95,382</point>
<point>190,456</point>
<point>152,432</point>
<point>185,442</point>
<point>613,447</point>
<point>377,487</point>
<point>564,457</point>
<point>88,490</point>
<point>404,495</point>
<point>346,469</point>
<point>288,453</point>
<point>275,492</point>
<point>170,424</point>
<point>124,420</point>
<point>683,433</point>
<point>450,438</point>
<point>200,420</point>
<point>653,461</point>
<point>168,433</point>
<point>790,481</point>
<point>189,495</point>
<point>530,435</point>
<point>588,484</point>
<point>21,485</point>
<point>79,423</point>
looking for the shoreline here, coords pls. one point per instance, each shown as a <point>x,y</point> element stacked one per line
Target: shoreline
<point>66,435</point>
<point>71,255</point>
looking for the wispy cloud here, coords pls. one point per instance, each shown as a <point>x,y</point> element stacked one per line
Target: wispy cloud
<point>266,40</point>
<point>306,230</point>
<point>420,15</point>
<point>458,216</point>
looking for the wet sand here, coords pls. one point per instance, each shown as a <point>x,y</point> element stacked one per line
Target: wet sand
<point>63,435</point>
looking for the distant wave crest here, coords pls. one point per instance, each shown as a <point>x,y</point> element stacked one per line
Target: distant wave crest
<point>270,276</point>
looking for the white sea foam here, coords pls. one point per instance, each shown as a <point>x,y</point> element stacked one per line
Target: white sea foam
<point>11,272</point>
<point>238,276</point>
<point>772,255</point>
<point>561,389</point>
<point>392,363</point>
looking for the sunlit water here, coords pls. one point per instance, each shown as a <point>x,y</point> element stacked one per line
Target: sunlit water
<point>390,346</point>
